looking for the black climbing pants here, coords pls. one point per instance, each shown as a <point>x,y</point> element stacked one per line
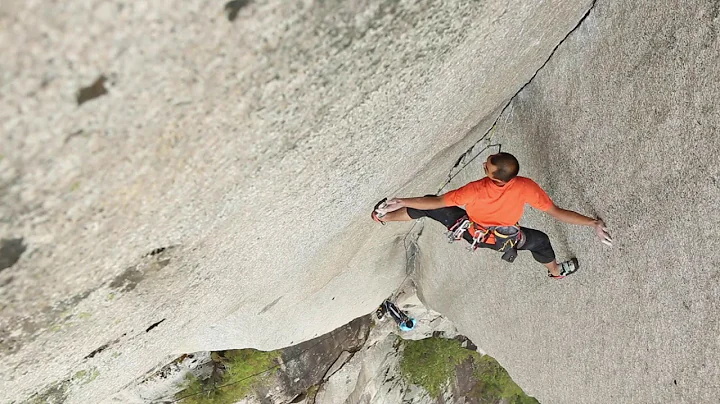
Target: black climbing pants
<point>537,242</point>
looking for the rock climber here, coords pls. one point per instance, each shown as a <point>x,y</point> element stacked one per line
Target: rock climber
<point>493,207</point>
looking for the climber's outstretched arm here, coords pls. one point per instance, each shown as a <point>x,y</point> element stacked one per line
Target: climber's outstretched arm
<point>421,203</point>
<point>569,216</point>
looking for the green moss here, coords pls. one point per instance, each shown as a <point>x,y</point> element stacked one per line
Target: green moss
<point>431,362</point>
<point>312,390</point>
<point>85,376</point>
<point>56,393</point>
<point>243,370</point>
<point>494,383</point>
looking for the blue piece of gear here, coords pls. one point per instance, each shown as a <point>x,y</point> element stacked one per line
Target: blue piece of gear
<point>404,326</point>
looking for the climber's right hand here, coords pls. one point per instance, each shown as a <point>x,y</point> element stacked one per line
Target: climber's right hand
<point>602,233</point>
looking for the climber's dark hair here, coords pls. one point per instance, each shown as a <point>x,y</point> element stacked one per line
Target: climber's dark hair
<point>507,166</point>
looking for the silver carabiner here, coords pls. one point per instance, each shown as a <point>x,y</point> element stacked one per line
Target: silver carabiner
<point>456,232</point>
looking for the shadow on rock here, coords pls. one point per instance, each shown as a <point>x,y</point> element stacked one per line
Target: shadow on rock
<point>233,8</point>
<point>10,252</point>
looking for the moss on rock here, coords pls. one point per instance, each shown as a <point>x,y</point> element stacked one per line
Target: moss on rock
<point>431,363</point>
<point>234,376</point>
<point>495,383</point>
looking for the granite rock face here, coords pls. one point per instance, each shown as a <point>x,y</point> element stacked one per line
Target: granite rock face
<point>184,175</point>
<point>359,362</point>
<point>622,123</point>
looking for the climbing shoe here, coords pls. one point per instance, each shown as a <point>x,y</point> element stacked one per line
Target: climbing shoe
<point>566,268</point>
<point>380,313</point>
<point>377,216</point>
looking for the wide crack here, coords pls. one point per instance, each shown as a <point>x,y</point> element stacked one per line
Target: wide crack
<point>412,249</point>
<point>452,174</point>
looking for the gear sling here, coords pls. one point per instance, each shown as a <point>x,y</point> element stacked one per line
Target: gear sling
<point>506,239</point>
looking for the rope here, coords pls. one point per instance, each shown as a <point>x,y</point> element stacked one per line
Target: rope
<point>452,176</point>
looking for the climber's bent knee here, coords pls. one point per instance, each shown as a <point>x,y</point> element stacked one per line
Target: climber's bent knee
<point>538,243</point>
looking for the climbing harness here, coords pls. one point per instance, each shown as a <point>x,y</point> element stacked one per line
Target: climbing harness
<point>458,229</point>
<point>506,239</point>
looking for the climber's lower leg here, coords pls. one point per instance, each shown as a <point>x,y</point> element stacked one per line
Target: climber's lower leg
<point>538,243</point>
<point>553,268</point>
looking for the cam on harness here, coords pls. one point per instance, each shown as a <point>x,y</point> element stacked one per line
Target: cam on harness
<point>506,239</point>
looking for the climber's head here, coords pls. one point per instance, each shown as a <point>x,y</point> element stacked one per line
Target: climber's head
<point>501,167</point>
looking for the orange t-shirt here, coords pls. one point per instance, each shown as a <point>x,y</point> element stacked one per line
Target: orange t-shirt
<point>488,204</point>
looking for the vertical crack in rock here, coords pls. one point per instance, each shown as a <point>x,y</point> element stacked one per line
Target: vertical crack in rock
<point>154,325</point>
<point>552,53</point>
<point>340,362</point>
<point>412,249</point>
<point>468,152</point>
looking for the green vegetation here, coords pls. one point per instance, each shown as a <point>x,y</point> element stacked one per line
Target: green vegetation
<point>234,375</point>
<point>86,376</point>
<point>431,363</point>
<point>494,383</point>
<point>57,392</point>
<point>311,393</point>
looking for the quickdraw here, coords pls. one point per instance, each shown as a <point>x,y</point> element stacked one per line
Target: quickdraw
<point>458,229</point>
<point>506,239</point>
